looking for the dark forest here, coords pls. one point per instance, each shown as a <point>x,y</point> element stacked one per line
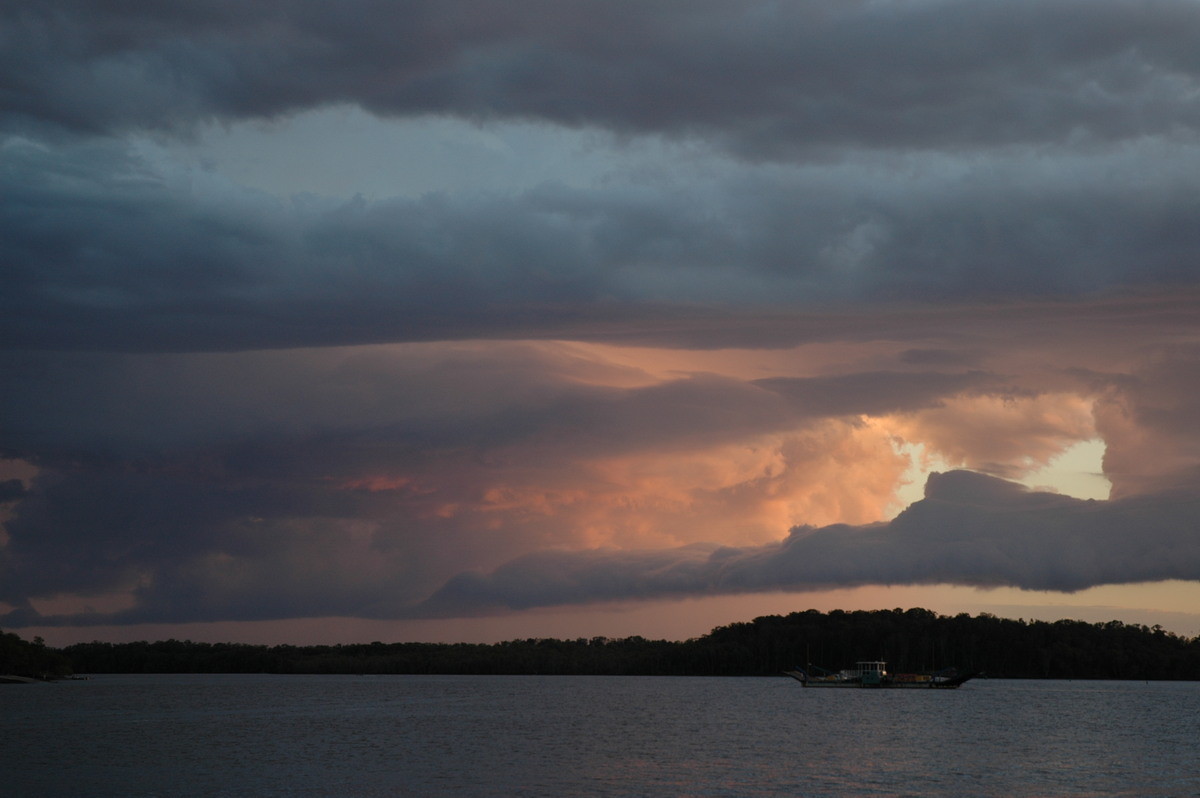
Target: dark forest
<point>915,640</point>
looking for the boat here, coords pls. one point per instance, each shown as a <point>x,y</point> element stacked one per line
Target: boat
<point>874,673</point>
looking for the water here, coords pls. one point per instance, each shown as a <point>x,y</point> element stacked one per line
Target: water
<point>265,735</point>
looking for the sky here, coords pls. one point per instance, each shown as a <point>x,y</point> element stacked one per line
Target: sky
<point>474,321</point>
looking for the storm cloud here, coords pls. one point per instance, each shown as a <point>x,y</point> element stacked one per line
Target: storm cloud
<point>840,153</point>
<point>970,529</point>
<point>102,252</point>
<point>642,300</point>
<point>764,79</point>
<point>421,480</point>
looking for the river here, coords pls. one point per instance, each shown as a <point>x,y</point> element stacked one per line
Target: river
<point>265,735</point>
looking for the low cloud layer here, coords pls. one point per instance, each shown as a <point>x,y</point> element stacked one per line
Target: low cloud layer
<point>969,530</point>
<point>428,479</point>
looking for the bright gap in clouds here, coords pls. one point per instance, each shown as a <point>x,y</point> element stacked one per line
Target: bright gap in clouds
<point>1077,472</point>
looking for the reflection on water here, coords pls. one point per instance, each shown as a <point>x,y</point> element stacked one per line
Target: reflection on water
<point>614,736</point>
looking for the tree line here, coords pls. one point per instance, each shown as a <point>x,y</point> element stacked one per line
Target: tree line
<point>31,659</point>
<point>914,640</point>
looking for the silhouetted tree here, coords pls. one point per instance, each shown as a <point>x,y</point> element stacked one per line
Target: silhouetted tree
<point>913,640</point>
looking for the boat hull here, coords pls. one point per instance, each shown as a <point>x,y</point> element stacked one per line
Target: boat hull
<point>935,683</point>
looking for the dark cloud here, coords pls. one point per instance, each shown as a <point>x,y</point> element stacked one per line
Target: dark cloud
<point>202,484</point>
<point>182,545</point>
<point>973,203</point>
<point>358,481</point>
<point>765,78</point>
<point>105,252</point>
<point>1149,418</point>
<point>937,357</point>
<point>11,490</point>
<point>259,409</point>
<point>969,530</point>
<point>944,151</point>
<point>65,408</point>
<point>875,393</point>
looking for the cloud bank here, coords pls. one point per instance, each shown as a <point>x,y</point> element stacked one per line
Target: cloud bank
<point>754,268</point>
<point>762,79</point>
<point>429,479</point>
<point>970,529</point>
<point>815,153</point>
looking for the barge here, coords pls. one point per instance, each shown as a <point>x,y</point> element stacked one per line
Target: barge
<point>874,674</point>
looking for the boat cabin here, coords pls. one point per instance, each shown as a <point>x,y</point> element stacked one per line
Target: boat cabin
<point>869,672</point>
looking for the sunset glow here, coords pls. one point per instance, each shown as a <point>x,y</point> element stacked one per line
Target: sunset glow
<point>643,346</point>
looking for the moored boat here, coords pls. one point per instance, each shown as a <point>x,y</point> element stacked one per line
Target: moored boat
<point>874,673</point>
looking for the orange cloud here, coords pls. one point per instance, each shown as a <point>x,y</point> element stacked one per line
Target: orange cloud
<point>392,468</point>
<point>1005,436</point>
<point>742,493</point>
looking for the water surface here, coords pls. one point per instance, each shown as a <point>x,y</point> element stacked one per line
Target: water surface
<point>264,735</point>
